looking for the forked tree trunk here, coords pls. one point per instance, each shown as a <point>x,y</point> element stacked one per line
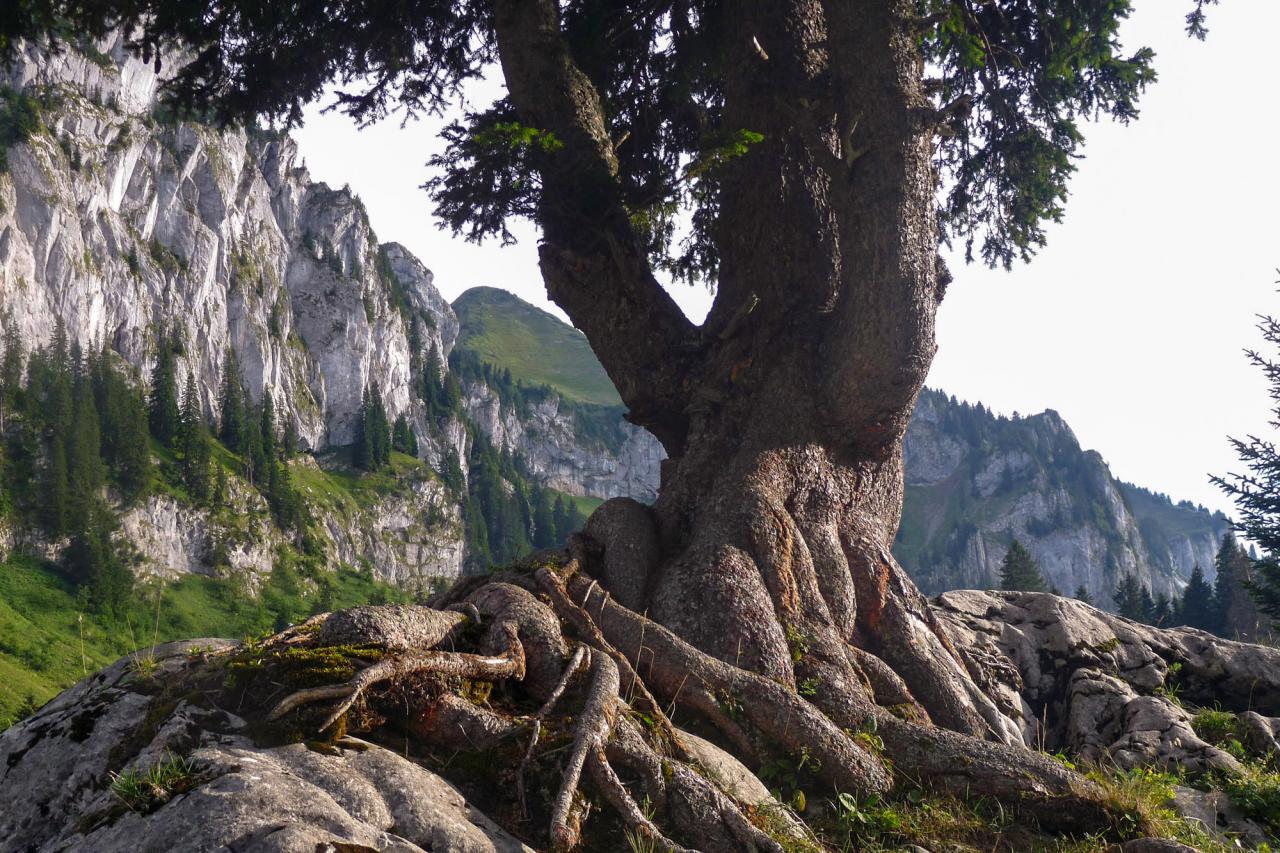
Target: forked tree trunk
<point>784,413</point>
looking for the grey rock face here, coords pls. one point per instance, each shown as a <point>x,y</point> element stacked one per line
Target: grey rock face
<point>1100,686</point>
<point>56,775</point>
<point>119,224</point>
<point>975,480</point>
<point>547,439</point>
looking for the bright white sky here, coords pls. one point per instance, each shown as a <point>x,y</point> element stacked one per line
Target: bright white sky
<point>1131,323</point>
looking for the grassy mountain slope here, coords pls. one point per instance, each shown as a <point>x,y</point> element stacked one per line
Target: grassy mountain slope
<point>49,640</point>
<point>535,346</point>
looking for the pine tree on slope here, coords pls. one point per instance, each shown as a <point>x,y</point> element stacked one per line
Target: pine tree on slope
<point>1020,571</point>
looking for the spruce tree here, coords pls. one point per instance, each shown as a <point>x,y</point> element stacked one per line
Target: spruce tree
<point>10,370</point>
<point>403,438</point>
<point>546,534</point>
<point>363,455</point>
<point>289,442</point>
<point>193,441</point>
<point>267,428</point>
<point>1128,598</point>
<point>94,561</point>
<point>85,473</point>
<point>1020,571</point>
<point>162,405</point>
<point>231,404</point>
<point>1236,614</point>
<point>380,428</point>
<point>1199,610</point>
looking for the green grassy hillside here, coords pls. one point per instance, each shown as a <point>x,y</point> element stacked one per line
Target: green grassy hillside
<point>49,639</point>
<point>536,347</point>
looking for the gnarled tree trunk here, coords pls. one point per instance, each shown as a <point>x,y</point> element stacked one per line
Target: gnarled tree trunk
<point>784,413</point>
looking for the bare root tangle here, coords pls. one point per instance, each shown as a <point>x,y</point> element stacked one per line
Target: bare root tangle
<point>616,793</point>
<point>677,669</point>
<point>564,607</point>
<point>403,664</point>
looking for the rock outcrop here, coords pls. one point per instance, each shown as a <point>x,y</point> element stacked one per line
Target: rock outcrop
<point>151,754</point>
<point>1107,689</point>
<point>61,772</point>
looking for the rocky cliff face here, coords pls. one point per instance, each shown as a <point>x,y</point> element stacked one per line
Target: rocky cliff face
<point>547,435</point>
<point>975,481</point>
<point>119,223</point>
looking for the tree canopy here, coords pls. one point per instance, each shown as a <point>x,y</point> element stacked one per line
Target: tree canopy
<point>1011,82</point>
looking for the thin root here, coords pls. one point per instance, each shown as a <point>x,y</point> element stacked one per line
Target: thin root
<point>575,662</point>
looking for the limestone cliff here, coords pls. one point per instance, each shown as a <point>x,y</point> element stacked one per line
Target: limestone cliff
<point>975,480</point>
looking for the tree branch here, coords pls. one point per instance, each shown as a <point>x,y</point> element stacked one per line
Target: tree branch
<point>592,262</point>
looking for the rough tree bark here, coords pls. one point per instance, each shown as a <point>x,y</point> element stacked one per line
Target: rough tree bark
<point>783,415</point>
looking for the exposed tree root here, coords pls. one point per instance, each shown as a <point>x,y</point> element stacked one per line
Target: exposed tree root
<point>401,665</point>
<point>590,733</point>
<point>575,662</point>
<point>611,723</point>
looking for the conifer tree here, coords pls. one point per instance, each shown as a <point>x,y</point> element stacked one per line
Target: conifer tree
<point>1230,592</point>
<point>1020,571</point>
<point>380,428</point>
<point>54,492</point>
<point>1198,607</point>
<point>231,404</point>
<point>10,370</point>
<point>1082,594</point>
<point>193,441</point>
<point>267,428</point>
<point>569,519</point>
<point>162,405</point>
<point>403,438</point>
<point>546,534</point>
<point>85,473</point>
<point>1162,611</point>
<point>94,561</point>
<point>289,442</point>
<point>363,455</point>
<point>1128,598</point>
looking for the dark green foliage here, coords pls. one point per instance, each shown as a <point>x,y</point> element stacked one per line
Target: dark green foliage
<point>162,402</point>
<point>1129,597</point>
<point>86,473</point>
<point>545,530</point>
<point>1257,493</point>
<point>1198,610</point>
<point>1226,564</point>
<point>496,513</point>
<point>231,404</point>
<point>403,437</point>
<point>19,120</point>
<point>372,446</point>
<point>1020,571</point>
<point>1015,79</point>
<point>1082,594</point>
<point>123,418</point>
<point>94,561</point>
<point>192,445</point>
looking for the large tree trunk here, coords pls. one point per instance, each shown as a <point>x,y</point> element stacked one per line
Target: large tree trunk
<point>784,413</point>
